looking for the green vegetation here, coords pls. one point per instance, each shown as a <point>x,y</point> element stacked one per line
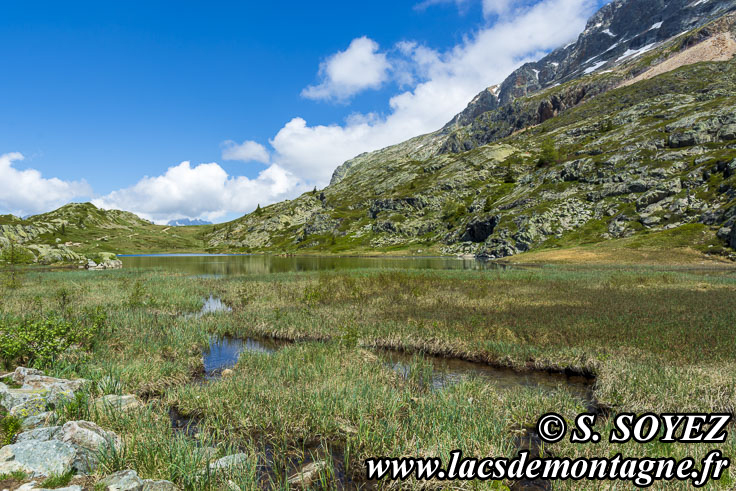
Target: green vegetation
<point>58,481</point>
<point>657,340</point>
<point>9,427</point>
<point>32,340</point>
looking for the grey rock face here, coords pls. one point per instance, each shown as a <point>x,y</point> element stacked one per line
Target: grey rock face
<point>37,458</point>
<point>479,230</point>
<point>127,480</point>
<point>72,446</point>
<point>36,392</point>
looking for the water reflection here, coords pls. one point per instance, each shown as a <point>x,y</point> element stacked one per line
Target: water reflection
<point>209,266</point>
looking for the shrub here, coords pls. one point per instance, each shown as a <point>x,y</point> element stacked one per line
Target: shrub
<point>549,154</point>
<point>39,341</point>
<point>9,427</point>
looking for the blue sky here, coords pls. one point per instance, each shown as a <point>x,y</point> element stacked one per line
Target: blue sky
<point>205,109</point>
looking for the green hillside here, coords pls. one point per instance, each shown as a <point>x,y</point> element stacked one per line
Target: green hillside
<point>655,160</point>
<point>78,231</point>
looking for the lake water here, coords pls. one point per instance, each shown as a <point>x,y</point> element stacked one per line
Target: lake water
<point>225,265</point>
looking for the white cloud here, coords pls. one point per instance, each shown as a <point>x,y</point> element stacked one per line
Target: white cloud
<point>349,72</point>
<point>441,83</point>
<point>205,191</point>
<point>447,81</point>
<point>462,5</point>
<point>24,192</point>
<point>496,7</point>
<point>248,151</point>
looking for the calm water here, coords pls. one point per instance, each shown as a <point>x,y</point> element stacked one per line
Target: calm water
<point>224,265</point>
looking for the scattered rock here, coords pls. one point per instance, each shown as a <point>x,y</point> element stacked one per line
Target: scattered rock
<point>228,462</point>
<point>37,458</point>
<point>480,229</point>
<point>57,449</point>
<point>36,392</point>
<point>128,480</point>
<point>125,402</point>
<point>151,485</point>
<point>32,422</point>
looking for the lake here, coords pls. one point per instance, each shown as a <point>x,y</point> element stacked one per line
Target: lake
<point>225,265</point>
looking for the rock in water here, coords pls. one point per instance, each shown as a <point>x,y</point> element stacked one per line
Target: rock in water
<point>307,474</point>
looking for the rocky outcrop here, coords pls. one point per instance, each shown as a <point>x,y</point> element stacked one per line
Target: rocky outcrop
<point>54,450</point>
<point>478,230</point>
<point>36,392</point>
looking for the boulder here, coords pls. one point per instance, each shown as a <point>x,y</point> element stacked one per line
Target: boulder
<point>152,485</point>
<point>229,462</point>
<point>125,402</point>
<point>36,392</point>
<point>88,439</point>
<point>74,445</point>
<point>688,139</point>
<point>32,422</point>
<point>37,458</point>
<point>728,132</point>
<point>33,406</point>
<point>128,480</point>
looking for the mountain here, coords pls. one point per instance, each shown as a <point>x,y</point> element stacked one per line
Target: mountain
<point>78,232</point>
<point>628,133</point>
<point>185,222</point>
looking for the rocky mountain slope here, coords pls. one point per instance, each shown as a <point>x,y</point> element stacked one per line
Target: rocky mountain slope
<point>629,131</point>
<point>78,232</point>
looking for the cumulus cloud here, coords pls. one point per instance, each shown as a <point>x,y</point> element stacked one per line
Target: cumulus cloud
<point>204,191</point>
<point>443,84</point>
<point>24,192</point>
<point>349,72</point>
<point>248,151</point>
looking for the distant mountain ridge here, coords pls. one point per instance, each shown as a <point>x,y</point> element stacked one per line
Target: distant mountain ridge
<point>185,222</point>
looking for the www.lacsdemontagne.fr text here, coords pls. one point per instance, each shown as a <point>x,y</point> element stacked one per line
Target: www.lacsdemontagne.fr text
<point>641,472</point>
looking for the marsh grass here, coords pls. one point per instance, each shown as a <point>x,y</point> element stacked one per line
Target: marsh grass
<point>655,340</point>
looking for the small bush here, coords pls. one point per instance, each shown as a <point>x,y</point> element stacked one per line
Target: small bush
<point>549,154</point>
<point>9,427</point>
<point>38,341</point>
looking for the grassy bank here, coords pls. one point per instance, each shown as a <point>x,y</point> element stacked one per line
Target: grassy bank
<point>655,340</point>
